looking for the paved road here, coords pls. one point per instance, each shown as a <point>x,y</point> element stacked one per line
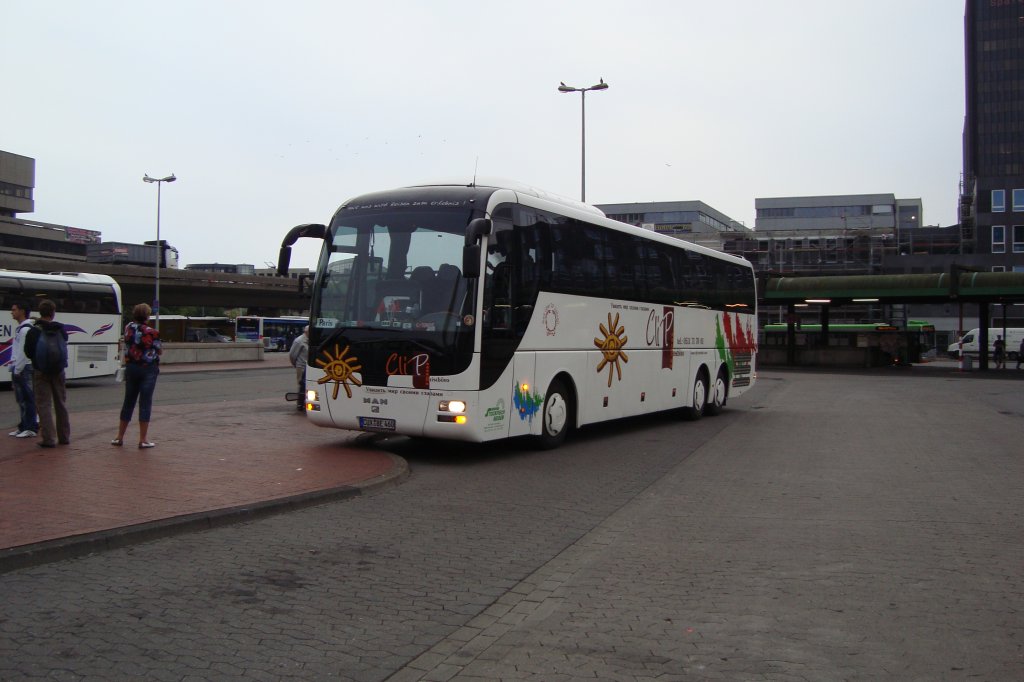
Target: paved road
<point>826,527</point>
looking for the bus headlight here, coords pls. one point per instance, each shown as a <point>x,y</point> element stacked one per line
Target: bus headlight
<point>454,406</point>
<point>312,401</point>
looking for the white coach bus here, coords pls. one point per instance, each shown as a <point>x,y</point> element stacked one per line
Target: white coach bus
<point>483,312</point>
<point>89,307</point>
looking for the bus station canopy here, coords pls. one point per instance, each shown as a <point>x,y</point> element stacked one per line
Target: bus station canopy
<point>974,287</point>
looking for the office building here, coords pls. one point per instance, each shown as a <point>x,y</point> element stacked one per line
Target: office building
<point>992,184</point>
<point>17,183</point>
<point>692,221</point>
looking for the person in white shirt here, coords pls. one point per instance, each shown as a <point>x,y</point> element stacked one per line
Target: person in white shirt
<point>298,354</point>
<point>21,375</point>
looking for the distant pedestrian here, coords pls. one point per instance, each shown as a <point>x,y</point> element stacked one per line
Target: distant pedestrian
<point>1020,353</point>
<point>21,374</point>
<point>142,349</point>
<point>299,355</point>
<point>999,348</point>
<point>46,345</point>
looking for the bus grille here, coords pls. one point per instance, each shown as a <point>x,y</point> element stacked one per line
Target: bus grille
<point>91,352</point>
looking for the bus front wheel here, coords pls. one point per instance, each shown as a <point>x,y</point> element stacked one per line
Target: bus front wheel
<point>555,416</point>
<point>698,399</point>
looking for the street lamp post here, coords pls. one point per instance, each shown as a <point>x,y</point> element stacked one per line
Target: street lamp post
<point>583,109</point>
<point>159,250</point>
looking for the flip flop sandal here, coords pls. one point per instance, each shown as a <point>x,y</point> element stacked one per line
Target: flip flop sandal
<point>146,445</point>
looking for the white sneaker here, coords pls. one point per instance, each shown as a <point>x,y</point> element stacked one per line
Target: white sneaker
<point>27,433</point>
<point>15,432</point>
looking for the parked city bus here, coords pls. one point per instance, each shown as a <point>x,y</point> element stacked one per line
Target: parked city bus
<point>89,307</point>
<point>276,333</point>
<point>910,343</point>
<point>925,329</point>
<point>195,329</point>
<point>483,312</point>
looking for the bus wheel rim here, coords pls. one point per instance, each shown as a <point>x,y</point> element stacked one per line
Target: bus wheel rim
<point>699,395</point>
<point>720,391</point>
<point>555,414</point>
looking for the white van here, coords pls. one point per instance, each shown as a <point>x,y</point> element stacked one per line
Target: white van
<point>970,342</point>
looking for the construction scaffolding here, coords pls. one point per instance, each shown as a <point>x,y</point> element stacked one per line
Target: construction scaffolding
<point>860,251</point>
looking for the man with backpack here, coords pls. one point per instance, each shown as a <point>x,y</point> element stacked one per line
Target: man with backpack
<point>46,345</point>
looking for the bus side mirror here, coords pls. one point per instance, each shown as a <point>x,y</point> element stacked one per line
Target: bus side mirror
<point>477,228</point>
<point>471,261</point>
<point>284,256</point>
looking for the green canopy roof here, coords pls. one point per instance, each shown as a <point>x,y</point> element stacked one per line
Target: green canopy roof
<point>935,288</point>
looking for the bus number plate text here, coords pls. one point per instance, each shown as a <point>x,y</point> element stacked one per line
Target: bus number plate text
<point>376,424</point>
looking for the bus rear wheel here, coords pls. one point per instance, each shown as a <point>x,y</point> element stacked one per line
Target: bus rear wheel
<point>556,416</point>
<point>719,392</point>
<point>698,399</point>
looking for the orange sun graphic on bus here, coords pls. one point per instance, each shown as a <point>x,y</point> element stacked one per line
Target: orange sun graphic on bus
<point>611,348</point>
<point>339,369</point>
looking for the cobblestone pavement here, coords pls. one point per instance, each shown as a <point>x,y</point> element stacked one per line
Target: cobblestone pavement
<point>826,527</point>
<point>216,461</point>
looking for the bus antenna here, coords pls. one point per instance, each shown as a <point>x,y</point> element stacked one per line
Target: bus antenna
<point>476,164</point>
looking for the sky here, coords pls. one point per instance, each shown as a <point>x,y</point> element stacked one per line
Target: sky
<point>272,114</point>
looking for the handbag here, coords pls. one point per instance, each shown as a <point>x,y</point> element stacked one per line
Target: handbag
<point>119,375</point>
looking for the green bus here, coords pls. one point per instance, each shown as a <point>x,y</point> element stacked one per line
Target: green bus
<point>894,345</point>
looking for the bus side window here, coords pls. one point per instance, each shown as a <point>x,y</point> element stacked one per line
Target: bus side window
<point>498,281</point>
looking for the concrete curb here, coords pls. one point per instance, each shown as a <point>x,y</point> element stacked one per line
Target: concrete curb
<point>26,556</point>
<point>190,367</point>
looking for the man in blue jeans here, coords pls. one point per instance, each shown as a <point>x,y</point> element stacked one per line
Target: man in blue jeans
<point>21,375</point>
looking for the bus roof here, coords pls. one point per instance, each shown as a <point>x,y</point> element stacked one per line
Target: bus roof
<point>61,276</point>
<point>496,190</point>
<point>522,188</point>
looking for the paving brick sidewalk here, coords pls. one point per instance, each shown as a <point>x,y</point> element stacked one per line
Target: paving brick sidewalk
<point>227,461</point>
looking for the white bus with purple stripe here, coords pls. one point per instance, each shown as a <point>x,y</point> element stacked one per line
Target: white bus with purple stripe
<point>89,307</point>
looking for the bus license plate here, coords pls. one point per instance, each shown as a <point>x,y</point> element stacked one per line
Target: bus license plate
<point>376,424</point>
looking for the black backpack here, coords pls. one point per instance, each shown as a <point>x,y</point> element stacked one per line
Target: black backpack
<point>51,352</point>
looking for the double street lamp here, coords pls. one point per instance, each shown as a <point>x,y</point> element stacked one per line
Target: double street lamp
<point>159,248</point>
<point>583,102</point>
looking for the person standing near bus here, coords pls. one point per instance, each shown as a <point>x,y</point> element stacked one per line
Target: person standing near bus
<point>299,355</point>
<point>21,375</point>
<point>1020,353</point>
<point>142,350</point>
<point>999,348</point>
<point>48,380</point>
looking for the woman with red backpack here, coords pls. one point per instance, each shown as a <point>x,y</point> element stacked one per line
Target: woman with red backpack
<point>141,358</point>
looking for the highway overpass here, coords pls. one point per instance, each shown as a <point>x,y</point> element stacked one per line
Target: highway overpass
<point>180,287</point>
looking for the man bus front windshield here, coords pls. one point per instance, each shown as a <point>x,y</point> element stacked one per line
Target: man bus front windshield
<point>396,271</point>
